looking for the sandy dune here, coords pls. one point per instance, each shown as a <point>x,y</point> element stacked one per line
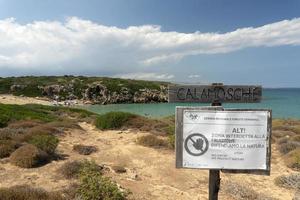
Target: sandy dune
<point>150,172</point>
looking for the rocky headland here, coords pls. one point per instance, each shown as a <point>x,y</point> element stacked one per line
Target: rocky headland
<point>88,90</point>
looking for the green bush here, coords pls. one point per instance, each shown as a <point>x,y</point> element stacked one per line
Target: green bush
<point>84,150</point>
<point>152,141</point>
<point>28,156</point>
<point>113,120</point>
<point>171,140</point>
<point>4,119</point>
<point>27,193</point>
<point>93,186</point>
<point>46,143</point>
<point>7,147</point>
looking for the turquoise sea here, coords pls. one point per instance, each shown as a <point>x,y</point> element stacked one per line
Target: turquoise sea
<point>285,103</point>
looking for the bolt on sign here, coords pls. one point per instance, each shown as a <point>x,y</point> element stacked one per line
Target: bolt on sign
<point>211,93</point>
<point>217,138</point>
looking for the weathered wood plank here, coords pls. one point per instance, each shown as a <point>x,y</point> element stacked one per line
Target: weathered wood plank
<point>213,93</point>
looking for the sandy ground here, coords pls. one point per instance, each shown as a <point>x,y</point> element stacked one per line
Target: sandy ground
<point>11,99</point>
<point>151,173</point>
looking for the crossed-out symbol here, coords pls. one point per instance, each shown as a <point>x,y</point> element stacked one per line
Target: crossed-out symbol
<point>196,144</point>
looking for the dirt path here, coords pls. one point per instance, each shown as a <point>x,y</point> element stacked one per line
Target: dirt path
<point>151,173</point>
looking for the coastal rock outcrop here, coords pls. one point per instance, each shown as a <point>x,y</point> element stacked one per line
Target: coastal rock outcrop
<point>92,90</point>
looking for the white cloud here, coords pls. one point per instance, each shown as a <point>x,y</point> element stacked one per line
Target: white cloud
<point>146,76</point>
<point>82,46</point>
<point>194,76</point>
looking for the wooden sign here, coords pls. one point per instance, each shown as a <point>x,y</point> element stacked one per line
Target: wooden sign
<point>223,139</point>
<point>213,93</point>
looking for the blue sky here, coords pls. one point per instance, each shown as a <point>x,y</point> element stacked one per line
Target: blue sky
<point>230,41</point>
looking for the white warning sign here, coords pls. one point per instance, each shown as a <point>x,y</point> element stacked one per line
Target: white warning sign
<point>225,139</point>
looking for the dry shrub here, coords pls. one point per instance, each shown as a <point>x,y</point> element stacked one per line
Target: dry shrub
<point>281,133</point>
<point>244,192</point>
<point>291,181</point>
<point>152,141</point>
<point>27,193</point>
<point>24,124</point>
<point>84,149</point>
<point>293,159</point>
<point>11,133</point>
<point>277,123</point>
<point>64,124</point>
<point>38,130</point>
<point>43,129</point>
<point>296,129</point>
<point>288,147</point>
<point>283,140</point>
<point>70,169</point>
<point>7,147</point>
<point>296,138</point>
<point>119,169</point>
<point>28,156</point>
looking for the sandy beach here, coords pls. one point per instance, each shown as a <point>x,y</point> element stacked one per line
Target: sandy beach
<point>21,100</point>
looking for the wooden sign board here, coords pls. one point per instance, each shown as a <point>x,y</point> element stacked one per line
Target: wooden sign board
<point>212,93</point>
<point>236,140</point>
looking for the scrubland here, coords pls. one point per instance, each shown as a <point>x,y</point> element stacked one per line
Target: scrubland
<point>65,153</point>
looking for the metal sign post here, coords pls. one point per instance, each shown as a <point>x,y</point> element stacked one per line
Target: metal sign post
<point>214,138</point>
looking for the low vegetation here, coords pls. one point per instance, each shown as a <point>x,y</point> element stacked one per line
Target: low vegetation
<point>291,181</point>
<point>292,159</point>
<point>92,185</point>
<point>13,113</point>
<point>28,156</point>
<point>70,169</point>
<point>152,141</point>
<point>7,147</point>
<point>287,136</point>
<point>241,191</point>
<point>46,143</point>
<point>113,120</point>
<point>84,149</point>
<point>27,193</point>
<point>31,86</point>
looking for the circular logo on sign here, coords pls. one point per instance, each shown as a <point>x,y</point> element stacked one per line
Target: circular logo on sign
<point>196,144</point>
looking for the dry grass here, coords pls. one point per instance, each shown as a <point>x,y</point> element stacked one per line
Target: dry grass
<point>292,159</point>
<point>84,149</point>
<point>28,156</point>
<point>152,141</point>
<point>27,193</point>
<point>24,124</point>
<point>239,191</point>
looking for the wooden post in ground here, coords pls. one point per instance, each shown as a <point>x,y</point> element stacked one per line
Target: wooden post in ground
<point>214,175</point>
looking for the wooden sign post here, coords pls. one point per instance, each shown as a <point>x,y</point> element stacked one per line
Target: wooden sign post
<point>214,138</point>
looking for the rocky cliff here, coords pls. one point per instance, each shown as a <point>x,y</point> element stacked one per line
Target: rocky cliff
<point>91,90</point>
